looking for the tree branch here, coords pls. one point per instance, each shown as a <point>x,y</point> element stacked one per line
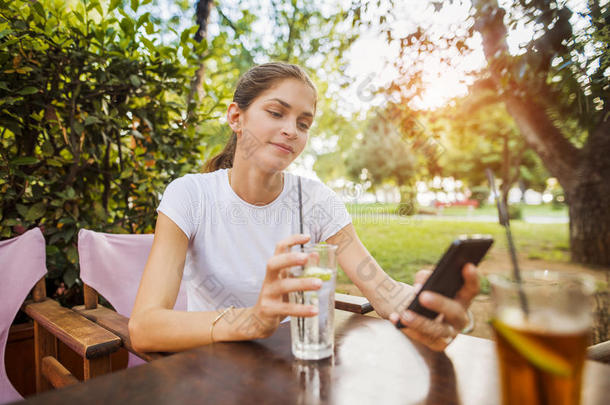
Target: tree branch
<point>558,154</point>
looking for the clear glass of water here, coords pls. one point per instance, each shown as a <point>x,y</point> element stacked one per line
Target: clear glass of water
<point>313,337</point>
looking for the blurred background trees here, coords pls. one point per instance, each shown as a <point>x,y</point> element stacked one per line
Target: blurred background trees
<point>102,103</point>
<point>554,87</point>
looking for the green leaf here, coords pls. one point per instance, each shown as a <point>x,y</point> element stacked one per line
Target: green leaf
<point>36,211</point>
<point>78,127</point>
<point>99,211</point>
<point>10,222</point>
<point>127,26</point>
<point>54,162</point>
<point>144,18</point>
<point>126,173</point>
<point>91,120</point>
<point>38,8</point>
<point>135,4</point>
<point>70,275</point>
<point>184,36</point>
<point>79,16</point>
<point>22,210</point>
<point>24,161</point>
<point>52,250</point>
<point>28,90</point>
<point>66,220</point>
<point>147,43</point>
<point>47,148</point>
<point>114,4</point>
<point>68,234</point>
<point>135,80</point>
<point>150,28</point>
<point>8,43</point>
<point>5,32</point>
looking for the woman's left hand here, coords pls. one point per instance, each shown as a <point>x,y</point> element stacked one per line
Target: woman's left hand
<point>438,333</point>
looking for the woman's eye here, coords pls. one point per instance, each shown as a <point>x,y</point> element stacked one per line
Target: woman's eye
<point>275,114</point>
<point>303,126</point>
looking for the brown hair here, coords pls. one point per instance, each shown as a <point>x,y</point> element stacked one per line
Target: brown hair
<point>255,81</point>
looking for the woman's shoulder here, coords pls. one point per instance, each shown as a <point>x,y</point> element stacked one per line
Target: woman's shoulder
<point>200,178</point>
<point>197,182</point>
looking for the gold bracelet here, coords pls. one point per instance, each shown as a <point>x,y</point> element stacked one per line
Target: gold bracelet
<point>223,313</point>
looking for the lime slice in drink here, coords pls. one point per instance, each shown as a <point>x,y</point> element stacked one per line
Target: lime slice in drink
<point>533,351</point>
<point>318,272</point>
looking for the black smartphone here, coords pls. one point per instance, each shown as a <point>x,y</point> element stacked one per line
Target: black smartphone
<point>447,277</point>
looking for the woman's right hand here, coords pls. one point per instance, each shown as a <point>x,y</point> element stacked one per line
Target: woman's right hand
<point>272,305</point>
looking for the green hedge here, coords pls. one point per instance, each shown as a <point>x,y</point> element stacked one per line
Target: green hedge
<point>93,121</point>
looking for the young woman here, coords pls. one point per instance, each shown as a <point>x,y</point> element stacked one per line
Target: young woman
<point>229,232</point>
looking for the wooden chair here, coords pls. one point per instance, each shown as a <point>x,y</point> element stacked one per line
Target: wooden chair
<point>112,265</point>
<point>22,262</point>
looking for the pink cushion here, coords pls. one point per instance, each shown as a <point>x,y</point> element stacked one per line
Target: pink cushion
<point>113,264</point>
<point>22,264</point>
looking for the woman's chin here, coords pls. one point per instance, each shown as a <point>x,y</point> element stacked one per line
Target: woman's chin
<point>274,164</point>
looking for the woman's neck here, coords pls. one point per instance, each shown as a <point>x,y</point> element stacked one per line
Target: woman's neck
<point>254,186</point>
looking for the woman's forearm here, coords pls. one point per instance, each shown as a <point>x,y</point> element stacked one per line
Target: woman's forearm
<point>387,295</point>
<point>171,331</point>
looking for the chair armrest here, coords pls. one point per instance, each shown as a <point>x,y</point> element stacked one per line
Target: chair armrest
<point>118,325</point>
<point>599,352</point>
<point>81,335</point>
<point>352,303</point>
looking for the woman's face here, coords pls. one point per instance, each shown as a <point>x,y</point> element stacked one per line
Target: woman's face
<point>273,130</point>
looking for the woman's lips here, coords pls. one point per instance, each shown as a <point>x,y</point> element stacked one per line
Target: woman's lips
<point>283,149</point>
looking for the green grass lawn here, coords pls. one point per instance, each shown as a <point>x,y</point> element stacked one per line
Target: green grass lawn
<point>545,210</point>
<point>404,245</point>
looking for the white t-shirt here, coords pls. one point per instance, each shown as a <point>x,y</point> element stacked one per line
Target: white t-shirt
<point>230,240</point>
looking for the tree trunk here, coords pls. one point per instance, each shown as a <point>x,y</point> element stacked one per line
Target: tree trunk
<point>589,200</point>
<point>590,223</point>
<point>203,13</point>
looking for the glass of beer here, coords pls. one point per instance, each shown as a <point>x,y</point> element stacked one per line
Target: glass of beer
<point>541,326</point>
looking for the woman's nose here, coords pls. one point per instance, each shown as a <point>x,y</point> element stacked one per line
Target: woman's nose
<point>290,129</point>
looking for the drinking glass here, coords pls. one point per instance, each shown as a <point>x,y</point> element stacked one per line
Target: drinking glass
<point>313,337</point>
<point>541,327</point>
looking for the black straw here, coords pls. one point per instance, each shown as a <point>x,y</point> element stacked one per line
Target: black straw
<point>301,295</point>
<point>300,211</point>
<point>505,221</point>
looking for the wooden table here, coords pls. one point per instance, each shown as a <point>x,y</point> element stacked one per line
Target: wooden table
<point>373,363</point>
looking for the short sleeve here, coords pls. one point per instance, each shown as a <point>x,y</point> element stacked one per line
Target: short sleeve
<point>181,202</point>
<point>330,213</point>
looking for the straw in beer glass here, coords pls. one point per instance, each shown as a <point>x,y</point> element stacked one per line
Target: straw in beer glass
<point>505,221</point>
